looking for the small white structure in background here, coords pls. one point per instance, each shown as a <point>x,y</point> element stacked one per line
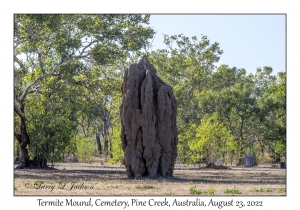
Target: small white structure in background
<point>219,162</point>
<point>249,159</point>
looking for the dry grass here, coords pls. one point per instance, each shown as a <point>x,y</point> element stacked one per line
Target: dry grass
<point>106,179</point>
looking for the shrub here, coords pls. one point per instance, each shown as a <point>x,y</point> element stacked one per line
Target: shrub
<point>117,152</point>
<point>260,190</point>
<point>194,191</point>
<point>86,149</point>
<point>232,191</point>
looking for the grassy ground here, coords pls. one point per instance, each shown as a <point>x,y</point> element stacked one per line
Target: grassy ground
<point>106,179</point>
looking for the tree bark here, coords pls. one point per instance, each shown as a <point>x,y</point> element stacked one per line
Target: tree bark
<point>105,135</point>
<point>98,143</point>
<point>22,137</point>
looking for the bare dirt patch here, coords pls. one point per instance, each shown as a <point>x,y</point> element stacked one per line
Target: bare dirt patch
<point>107,179</point>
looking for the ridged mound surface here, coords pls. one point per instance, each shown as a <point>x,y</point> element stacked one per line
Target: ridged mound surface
<point>148,118</point>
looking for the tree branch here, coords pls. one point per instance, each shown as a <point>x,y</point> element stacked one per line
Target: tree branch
<point>26,91</point>
<point>16,44</point>
<point>83,50</point>
<point>19,111</point>
<point>16,59</point>
<point>53,72</point>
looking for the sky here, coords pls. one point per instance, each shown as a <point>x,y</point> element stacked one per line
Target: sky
<point>247,41</point>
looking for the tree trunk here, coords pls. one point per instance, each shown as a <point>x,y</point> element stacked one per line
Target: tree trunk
<point>23,137</point>
<point>105,135</point>
<point>98,143</point>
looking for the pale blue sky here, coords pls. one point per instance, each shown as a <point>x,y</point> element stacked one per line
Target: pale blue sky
<point>248,41</point>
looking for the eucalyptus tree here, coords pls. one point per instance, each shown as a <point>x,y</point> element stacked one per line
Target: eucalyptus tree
<point>101,102</point>
<point>233,97</point>
<point>272,115</point>
<point>52,52</point>
<point>251,106</point>
<point>187,65</point>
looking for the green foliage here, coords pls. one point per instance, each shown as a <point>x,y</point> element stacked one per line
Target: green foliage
<point>66,77</point>
<point>234,102</point>
<point>195,191</point>
<point>185,136</point>
<point>168,193</point>
<point>282,190</point>
<point>212,140</point>
<point>51,128</point>
<point>233,191</point>
<point>273,116</point>
<point>117,151</point>
<point>230,95</point>
<point>86,148</point>
<point>144,187</point>
<point>61,182</point>
<point>113,186</point>
<point>261,190</point>
<point>186,64</point>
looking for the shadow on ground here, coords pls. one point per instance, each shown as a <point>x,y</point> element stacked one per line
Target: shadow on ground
<point>237,175</point>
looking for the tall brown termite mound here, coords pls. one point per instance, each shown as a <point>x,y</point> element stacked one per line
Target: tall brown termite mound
<point>148,117</point>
